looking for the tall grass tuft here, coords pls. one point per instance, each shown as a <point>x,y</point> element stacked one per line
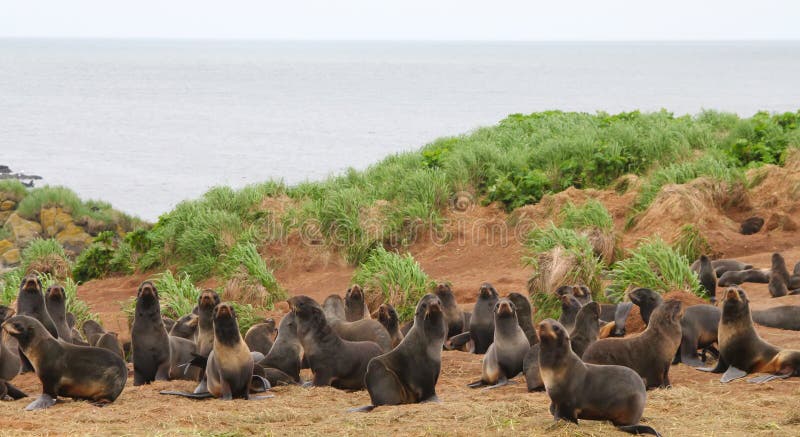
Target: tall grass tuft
<point>656,265</point>
<point>691,243</point>
<point>250,280</point>
<point>591,214</point>
<point>12,189</point>
<point>397,279</point>
<point>45,257</point>
<point>9,289</point>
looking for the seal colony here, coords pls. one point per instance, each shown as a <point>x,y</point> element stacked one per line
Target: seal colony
<point>350,346</point>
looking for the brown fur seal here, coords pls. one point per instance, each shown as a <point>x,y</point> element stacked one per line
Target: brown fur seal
<point>182,351</point>
<point>751,226</point>
<point>360,330</point>
<point>778,277</point>
<point>453,315</point>
<point>229,367</point>
<point>334,361</point>
<point>650,354</point>
<point>387,316</point>
<point>743,351</point>
<point>708,277</point>
<point>409,373</point>
<point>204,338</point>
<point>286,354</point>
<point>503,359</point>
<point>355,304</point>
<point>92,330</point>
<point>30,302</point>
<point>185,327</point>
<point>67,370</point>
<point>260,336</point>
<point>481,324</point>
<point>585,332</point>
<point>782,317</point>
<point>589,391</point>
<point>723,265</point>
<point>168,323</point>
<point>9,358</point>
<point>149,340</point>
<point>570,306</point>
<point>524,316</point>
<point>109,341</point>
<point>55,300</point>
<point>737,277</point>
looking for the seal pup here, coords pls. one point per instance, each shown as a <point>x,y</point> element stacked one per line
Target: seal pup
<point>336,362</point>
<point>778,277</point>
<point>650,354</point>
<point>503,359</point>
<point>355,304</point>
<point>751,226</point>
<point>65,369</point>
<point>149,339</point>
<point>409,373</point>
<point>260,336</point>
<point>387,316</point>
<point>589,391</point>
<point>360,330</point>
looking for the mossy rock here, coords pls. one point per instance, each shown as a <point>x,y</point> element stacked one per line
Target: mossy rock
<point>7,205</point>
<point>54,221</point>
<point>5,246</point>
<point>23,231</point>
<point>74,238</point>
<point>10,258</point>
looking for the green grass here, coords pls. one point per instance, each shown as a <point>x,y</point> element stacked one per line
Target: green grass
<point>245,261</point>
<point>105,255</point>
<point>591,214</point>
<point>655,265</point>
<point>45,256</point>
<point>12,189</point>
<point>691,243</point>
<point>9,286</point>
<point>398,279</point>
<point>9,289</point>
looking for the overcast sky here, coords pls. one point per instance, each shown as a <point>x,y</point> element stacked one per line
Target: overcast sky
<point>405,19</point>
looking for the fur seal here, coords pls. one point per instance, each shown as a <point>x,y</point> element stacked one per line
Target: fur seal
<point>149,340</point>
<point>181,352</point>
<point>781,317</point>
<point>650,354</point>
<point>185,327</point>
<point>524,316</point>
<point>778,277</point>
<point>589,391</point>
<point>387,316</point>
<point>722,265</point>
<point>647,300</point>
<point>708,277</point>
<point>67,370</point>
<point>751,226</point>
<point>737,277</point>
<point>453,315</point>
<point>481,324</point>
<point>570,306</point>
<point>336,362</point>
<point>204,338</point>
<point>168,323</point>
<point>110,341</point>
<point>355,304</point>
<point>260,336</point>
<point>409,373</point>
<point>286,353</point>
<point>92,331</point>
<point>503,359</point>
<point>360,330</point>
<point>55,300</point>
<point>30,302</point>
<point>8,390</point>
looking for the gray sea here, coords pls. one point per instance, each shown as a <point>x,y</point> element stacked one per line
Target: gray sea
<point>146,124</point>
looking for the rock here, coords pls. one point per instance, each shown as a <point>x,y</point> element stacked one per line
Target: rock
<point>7,205</point>
<point>780,221</point>
<point>74,238</point>
<point>5,246</point>
<point>54,220</point>
<point>10,258</point>
<point>23,231</point>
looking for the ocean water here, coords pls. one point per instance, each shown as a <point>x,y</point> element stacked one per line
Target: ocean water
<point>146,124</point>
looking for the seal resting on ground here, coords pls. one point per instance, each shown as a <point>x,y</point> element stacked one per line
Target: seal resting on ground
<point>360,330</point>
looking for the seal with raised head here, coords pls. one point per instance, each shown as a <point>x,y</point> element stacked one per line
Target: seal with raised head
<point>387,316</point>
<point>64,369</point>
<point>150,349</point>
<point>55,300</point>
<point>708,277</point>
<point>481,323</point>
<point>503,359</point>
<point>589,391</point>
<point>259,337</point>
<point>524,316</point>
<point>778,277</point>
<point>570,306</point>
<point>286,354</point>
<point>409,373</point>
<point>743,351</point>
<point>650,354</point>
<point>355,304</point>
<point>453,315</point>
<point>336,362</point>
<point>206,302</point>
<point>30,302</point>
<point>360,330</point>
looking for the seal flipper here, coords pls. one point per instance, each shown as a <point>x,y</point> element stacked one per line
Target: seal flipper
<point>457,341</point>
<point>186,394</point>
<point>639,429</point>
<point>503,381</point>
<point>13,392</point>
<point>621,317</point>
<point>42,402</point>
<point>731,374</point>
<point>476,384</point>
<point>364,409</point>
<point>719,368</point>
<point>766,378</point>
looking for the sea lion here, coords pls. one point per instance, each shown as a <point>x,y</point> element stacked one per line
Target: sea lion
<point>481,324</point>
<point>336,362</point>
<point>722,265</point>
<point>92,330</point>
<point>584,333</point>
<point>229,366</point>
<point>778,277</point>
<point>409,373</point>
<point>570,306</point>
<point>503,359</point>
<point>782,317</point>
<point>260,336</point>
<point>387,316</point>
<point>67,370</point>
<point>149,340</point>
<point>181,352</point>
<point>737,277</point>
<point>524,316</point>
<point>708,277</point>
<point>110,341</point>
<point>185,327</point>
<point>355,304</point>
<point>743,351</point>
<point>286,353</point>
<point>751,226</point>
<point>589,391</point>
<point>650,354</point>
<point>360,330</point>
<point>8,390</point>
<point>30,302</point>
<point>55,300</point>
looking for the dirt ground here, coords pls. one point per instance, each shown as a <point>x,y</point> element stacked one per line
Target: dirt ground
<point>697,404</point>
